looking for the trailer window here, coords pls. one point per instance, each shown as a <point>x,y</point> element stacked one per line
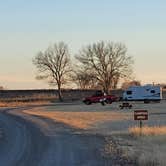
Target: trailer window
<point>152,91</point>
<point>129,92</point>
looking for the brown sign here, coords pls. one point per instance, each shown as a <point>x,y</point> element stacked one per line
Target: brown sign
<point>141,115</point>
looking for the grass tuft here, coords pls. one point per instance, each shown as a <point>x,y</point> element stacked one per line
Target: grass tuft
<point>148,131</point>
<point>19,103</point>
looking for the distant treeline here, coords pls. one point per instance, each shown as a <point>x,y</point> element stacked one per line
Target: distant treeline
<point>51,94</point>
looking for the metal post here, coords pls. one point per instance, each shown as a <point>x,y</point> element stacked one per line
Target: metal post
<point>140,125</point>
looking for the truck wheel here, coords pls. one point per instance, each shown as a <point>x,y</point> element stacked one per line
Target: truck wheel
<point>87,102</point>
<point>102,103</point>
<point>108,101</point>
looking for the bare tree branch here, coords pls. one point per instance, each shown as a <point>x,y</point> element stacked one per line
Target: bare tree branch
<point>107,61</point>
<point>54,65</point>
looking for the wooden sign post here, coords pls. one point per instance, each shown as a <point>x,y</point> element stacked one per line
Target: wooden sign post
<point>141,115</point>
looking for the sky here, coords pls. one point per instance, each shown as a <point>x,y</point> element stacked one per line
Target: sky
<point>27,27</point>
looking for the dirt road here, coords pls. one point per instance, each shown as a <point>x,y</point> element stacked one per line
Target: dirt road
<point>31,140</point>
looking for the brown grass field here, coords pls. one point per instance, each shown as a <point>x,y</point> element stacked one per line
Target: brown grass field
<point>20,103</point>
<point>82,120</point>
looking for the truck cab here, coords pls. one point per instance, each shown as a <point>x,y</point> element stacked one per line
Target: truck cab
<point>98,97</point>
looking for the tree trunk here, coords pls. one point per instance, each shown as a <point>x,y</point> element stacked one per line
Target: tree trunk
<point>106,87</point>
<point>60,93</point>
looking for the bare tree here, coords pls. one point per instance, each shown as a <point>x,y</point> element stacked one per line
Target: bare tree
<point>127,84</point>
<point>85,80</point>
<point>163,85</point>
<point>107,61</point>
<point>54,65</point>
<point>1,88</point>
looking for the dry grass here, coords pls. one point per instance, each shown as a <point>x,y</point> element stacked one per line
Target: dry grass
<point>27,100</point>
<point>149,148</point>
<point>148,131</point>
<point>144,150</point>
<point>17,104</point>
<point>30,97</point>
<point>80,120</point>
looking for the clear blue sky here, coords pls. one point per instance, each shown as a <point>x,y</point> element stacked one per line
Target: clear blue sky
<point>29,26</point>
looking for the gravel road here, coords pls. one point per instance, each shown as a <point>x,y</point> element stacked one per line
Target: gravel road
<point>33,141</point>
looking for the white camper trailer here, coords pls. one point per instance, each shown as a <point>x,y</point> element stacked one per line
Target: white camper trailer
<point>145,93</point>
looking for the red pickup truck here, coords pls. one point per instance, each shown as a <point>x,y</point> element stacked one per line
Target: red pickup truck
<point>100,97</point>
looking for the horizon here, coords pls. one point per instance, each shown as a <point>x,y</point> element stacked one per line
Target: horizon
<point>30,27</point>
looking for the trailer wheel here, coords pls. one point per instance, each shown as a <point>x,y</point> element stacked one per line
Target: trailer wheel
<point>146,101</point>
<point>121,107</point>
<point>130,107</point>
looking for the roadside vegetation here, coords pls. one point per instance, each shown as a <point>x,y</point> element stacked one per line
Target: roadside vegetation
<point>27,100</point>
<point>148,131</point>
<point>147,149</point>
<point>19,104</point>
